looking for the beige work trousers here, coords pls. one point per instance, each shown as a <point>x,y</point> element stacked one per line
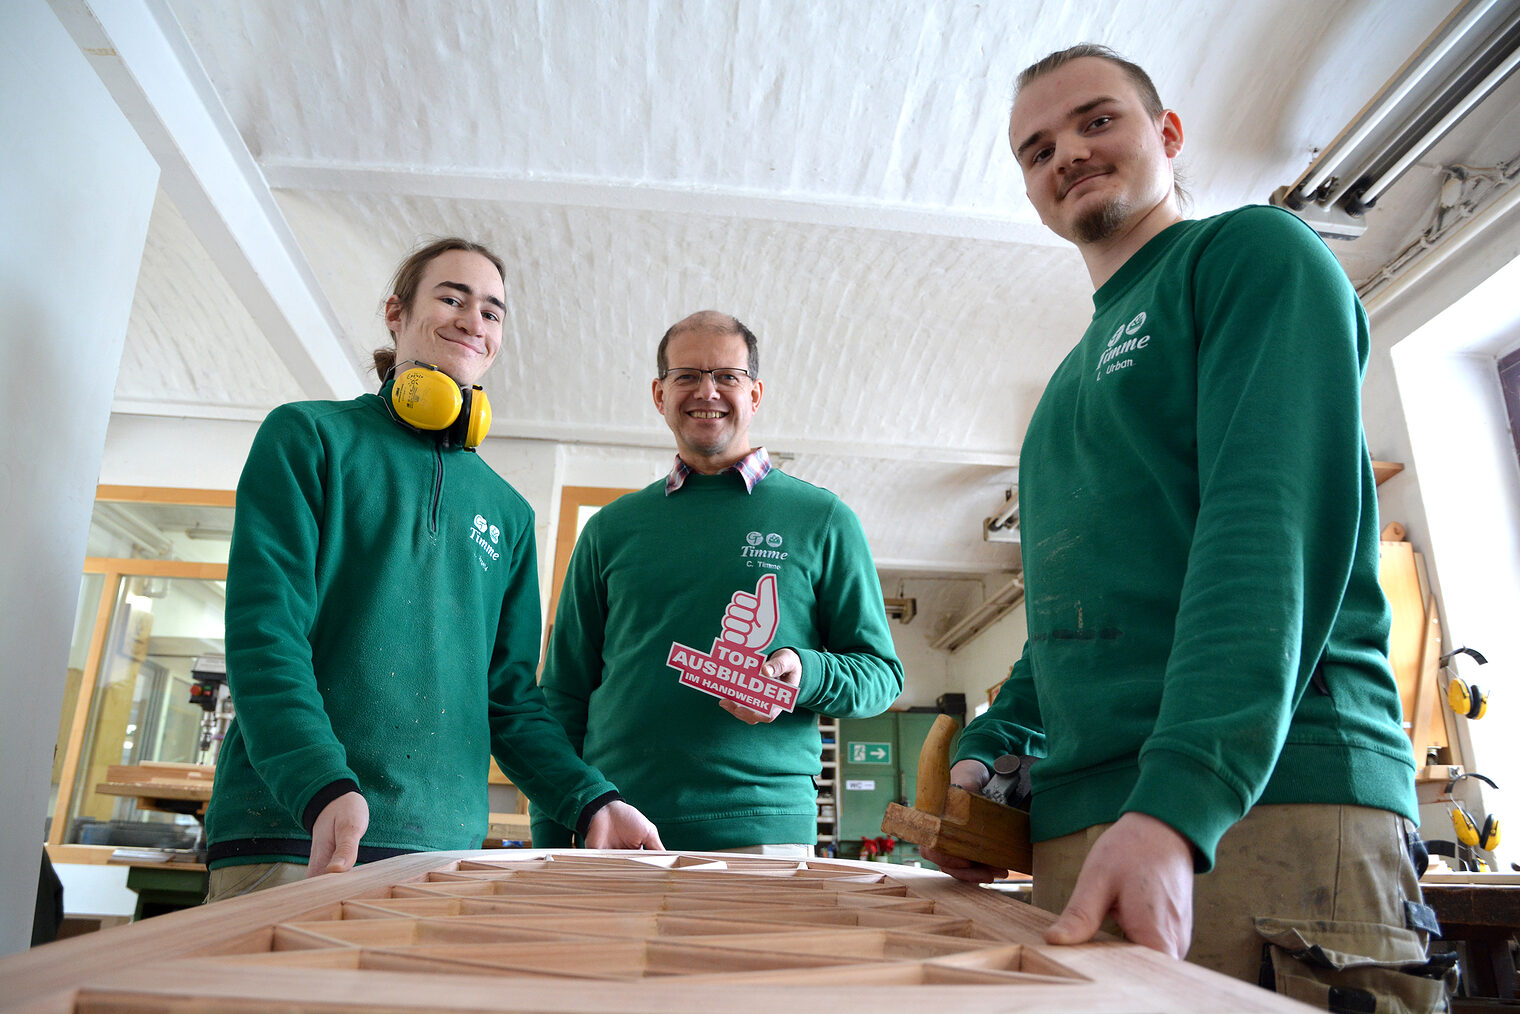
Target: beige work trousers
<point>235,881</point>
<point>1288,879</point>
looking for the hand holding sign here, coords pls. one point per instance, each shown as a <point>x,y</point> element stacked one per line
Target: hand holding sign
<point>752,688</point>
<point>784,666</point>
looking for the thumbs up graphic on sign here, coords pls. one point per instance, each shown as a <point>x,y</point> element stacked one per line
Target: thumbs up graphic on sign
<point>751,620</point>
<point>749,685</point>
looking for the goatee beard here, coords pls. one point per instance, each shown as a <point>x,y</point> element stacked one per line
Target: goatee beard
<point>1102,222</point>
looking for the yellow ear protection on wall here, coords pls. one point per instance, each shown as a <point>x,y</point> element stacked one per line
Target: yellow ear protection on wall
<point>1466,699</point>
<point>429,399</point>
<point>1469,833</point>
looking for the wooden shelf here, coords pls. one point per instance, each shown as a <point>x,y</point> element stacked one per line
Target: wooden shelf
<point>1382,471</point>
<point>827,780</point>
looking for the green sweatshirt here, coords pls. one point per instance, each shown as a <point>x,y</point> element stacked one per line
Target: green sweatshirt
<point>1200,534</point>
<point>650,570</point>
<point>382,634</point>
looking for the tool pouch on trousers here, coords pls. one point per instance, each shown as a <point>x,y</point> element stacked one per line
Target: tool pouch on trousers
<point>1354,966</point>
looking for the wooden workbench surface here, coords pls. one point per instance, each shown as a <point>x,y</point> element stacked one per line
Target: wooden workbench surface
<point>609,931</point>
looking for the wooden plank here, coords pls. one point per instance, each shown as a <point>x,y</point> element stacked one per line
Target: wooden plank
<point>1468,904</point>
<point>1437,773</point>
<point>80,855</point>
<point>980,952</point>
<point>163,776</point>
<point>167,494</point>
<point>1401,574</point>
<point>155,568</point>
<point>1382,471</point>
<point>189,793</point>
<point>509,826</point>
<point>1421,732</point>
<point>572,498</point>
<point>1400,582</point>
<point>159,785</point>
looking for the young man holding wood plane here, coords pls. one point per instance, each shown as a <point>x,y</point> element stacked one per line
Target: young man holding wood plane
<point>1223,770</point>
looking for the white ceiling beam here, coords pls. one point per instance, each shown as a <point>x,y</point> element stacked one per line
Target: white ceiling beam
<point>914,568</point>
<point>146,63</point>
<point>784,448</point>
<point>635,195</point>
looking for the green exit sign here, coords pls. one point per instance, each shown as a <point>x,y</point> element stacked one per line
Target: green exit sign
<point>870,753</point>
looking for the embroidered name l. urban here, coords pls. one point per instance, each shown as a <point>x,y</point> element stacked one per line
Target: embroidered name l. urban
<point>1121,348</point>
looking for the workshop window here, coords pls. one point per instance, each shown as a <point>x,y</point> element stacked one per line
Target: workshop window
<point>151,605</point>
<point>1509,380</point>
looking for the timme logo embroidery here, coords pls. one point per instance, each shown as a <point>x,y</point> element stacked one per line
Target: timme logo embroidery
<point>1119,354</point>
<point>768,556</point>
<point>478,531</point>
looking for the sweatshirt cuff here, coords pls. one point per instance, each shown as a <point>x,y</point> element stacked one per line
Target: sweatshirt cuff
<point>978,747</point>
<point>810,675</point>
<point>1190,798</point>
<point>583,825</point>
<point>325,795</point>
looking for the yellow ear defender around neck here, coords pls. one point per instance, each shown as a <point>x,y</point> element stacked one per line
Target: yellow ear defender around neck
<point>429,399</point>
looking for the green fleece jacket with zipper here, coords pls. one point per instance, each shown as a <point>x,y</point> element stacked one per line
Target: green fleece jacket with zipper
<point>1200,535</point>
<point>382,634</point>
<point>650,571</point>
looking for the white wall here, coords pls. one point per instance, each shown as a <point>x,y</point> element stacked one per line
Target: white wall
<point>1437,407</point>
<point>1471,495</point>
<point>76,190</point>
<point>985,661</point>
<point>165,451</point>
<point>926,670</point>
<point>96,889</point>
<point>942,600</point>
<point>531,466</point>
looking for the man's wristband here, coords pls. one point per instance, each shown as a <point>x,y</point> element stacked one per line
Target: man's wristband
<point>583,825</point>
<point>326,794</point>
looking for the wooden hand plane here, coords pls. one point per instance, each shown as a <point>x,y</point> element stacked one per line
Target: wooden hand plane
<point>948,818</point>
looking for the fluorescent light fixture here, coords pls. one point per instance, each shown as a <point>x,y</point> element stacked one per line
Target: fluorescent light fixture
<point>1003,525</point>
<point>1466,58</point>
<point>983,616</point>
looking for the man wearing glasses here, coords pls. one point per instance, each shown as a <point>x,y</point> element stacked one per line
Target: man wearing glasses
<point>707,619</point>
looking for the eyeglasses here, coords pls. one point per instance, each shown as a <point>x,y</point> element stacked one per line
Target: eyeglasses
<point>687,377</point>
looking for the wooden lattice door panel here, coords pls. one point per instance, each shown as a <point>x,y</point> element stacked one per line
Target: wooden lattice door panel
<point>608,931</point>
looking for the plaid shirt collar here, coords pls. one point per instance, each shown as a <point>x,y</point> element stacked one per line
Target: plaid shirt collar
<point>753,467</point>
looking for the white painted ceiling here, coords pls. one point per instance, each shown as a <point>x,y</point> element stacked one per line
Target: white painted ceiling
<point>835,174</point>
